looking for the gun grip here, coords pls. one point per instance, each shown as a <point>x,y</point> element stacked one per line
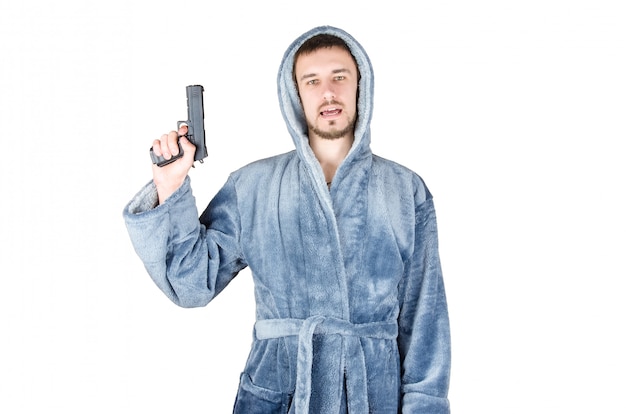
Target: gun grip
<point>160,161</point>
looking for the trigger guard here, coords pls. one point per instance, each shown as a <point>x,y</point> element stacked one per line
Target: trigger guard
<point>184,123</point>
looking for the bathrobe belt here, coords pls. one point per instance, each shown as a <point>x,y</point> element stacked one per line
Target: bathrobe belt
<point>321,325</point>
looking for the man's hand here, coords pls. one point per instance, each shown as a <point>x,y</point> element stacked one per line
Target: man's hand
<point>170,177</point>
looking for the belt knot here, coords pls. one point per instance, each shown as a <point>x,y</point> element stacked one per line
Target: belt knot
<point>322,325</point>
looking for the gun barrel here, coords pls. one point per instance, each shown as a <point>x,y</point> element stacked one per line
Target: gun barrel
<point>195,113</point>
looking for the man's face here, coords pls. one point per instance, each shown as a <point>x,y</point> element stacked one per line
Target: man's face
<point>327,81</point>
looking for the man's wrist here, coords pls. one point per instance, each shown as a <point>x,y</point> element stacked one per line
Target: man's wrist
<point>165,190</point>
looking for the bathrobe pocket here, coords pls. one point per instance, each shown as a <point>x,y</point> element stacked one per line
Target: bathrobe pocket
<point>252,399</point>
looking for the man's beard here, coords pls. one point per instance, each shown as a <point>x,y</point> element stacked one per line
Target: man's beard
<point>333,133</point>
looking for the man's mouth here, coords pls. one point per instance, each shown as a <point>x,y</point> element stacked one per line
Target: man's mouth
<point>330,112</point>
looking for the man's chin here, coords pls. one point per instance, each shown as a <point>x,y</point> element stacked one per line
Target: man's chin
<point>333,133</point>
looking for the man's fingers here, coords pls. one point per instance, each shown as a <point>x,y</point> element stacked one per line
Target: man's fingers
<point>172,143</point>
<point>157,147</point>
<point>166,146</point>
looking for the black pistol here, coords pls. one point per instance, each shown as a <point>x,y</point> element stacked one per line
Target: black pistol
<point>195,127</point>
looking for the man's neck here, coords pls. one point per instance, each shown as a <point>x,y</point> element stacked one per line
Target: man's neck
<point>330,153</point>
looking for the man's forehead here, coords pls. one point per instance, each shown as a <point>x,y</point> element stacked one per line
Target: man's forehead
<point>336,58</point>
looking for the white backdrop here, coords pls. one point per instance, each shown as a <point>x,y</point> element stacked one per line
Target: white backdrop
<point>513,113</point>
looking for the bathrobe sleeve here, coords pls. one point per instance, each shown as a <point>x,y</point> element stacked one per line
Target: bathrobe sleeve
<point>424,333</point>
<point>189,261</point>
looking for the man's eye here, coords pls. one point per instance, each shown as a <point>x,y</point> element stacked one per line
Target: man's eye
<point>340,77</point>
<point>312,82</point>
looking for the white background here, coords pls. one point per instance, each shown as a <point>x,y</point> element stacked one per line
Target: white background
<point>513,113</point>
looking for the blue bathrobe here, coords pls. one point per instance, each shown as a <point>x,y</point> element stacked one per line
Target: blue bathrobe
<point>350,302</point>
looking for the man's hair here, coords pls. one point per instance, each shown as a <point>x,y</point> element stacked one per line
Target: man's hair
<point>321,41</point>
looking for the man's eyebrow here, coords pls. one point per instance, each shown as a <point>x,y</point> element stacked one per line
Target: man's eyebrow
<point>308,75</point>
<point>335,71</point>
<point>342,70</point>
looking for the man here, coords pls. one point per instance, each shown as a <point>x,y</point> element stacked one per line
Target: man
<point>342,246</point>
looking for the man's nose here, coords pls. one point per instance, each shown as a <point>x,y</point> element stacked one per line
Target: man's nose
<point>329,94</point>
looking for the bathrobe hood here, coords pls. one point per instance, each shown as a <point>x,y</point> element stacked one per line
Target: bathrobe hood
<point>293,113</point>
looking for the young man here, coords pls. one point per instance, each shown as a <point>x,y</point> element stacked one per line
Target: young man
<point>342,246</point>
